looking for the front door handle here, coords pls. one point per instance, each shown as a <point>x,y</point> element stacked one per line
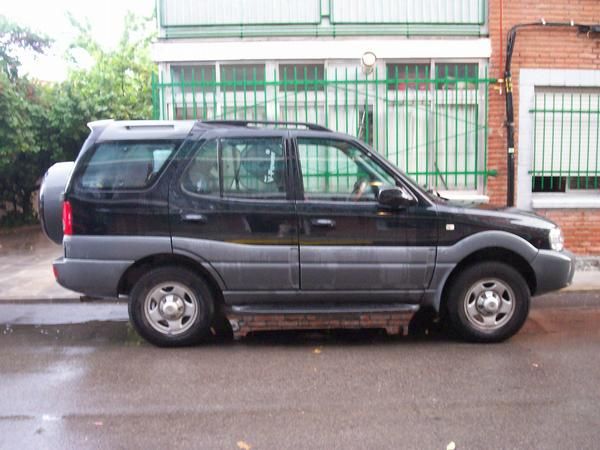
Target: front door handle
<point>323,223</point>
<point>199,218</point>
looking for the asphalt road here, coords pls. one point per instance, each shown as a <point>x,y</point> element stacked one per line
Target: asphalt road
<point>93,384</point>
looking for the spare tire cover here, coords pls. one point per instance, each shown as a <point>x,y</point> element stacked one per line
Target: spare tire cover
<point>51,199</point>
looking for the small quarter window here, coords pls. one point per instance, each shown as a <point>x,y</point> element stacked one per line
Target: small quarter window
<point>125,164</point>
<point>202,175</point>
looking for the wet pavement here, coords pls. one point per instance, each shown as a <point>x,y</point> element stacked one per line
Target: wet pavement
<point>26,257</point>
<point>77,376</point>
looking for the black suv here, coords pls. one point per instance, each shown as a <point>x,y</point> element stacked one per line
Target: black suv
<point>197,220</point>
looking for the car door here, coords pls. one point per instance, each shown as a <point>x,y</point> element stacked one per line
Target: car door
<point>350,246</point>
<point>232,206</point>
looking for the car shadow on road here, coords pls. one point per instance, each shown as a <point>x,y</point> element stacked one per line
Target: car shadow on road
<point>344,337</point>
<point>99,333</point>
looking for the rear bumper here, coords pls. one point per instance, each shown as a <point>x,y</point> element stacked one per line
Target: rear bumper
<point>92,277</point>
<point>553,270</point>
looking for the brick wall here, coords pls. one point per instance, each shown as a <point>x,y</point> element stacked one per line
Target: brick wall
<point>541,48</point>
<point>393,322</point>
<point>580,226</point>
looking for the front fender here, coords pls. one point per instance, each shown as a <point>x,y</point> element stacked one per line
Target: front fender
<point>449,257</point>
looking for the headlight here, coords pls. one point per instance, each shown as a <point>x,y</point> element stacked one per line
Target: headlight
<point>556,238</point>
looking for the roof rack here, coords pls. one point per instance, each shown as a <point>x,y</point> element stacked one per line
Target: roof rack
<point>245,123</point>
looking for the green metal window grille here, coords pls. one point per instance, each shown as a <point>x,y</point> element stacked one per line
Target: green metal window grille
<point>197,73</point>
<point>240,77</point>
<point>302,72</point>
<point>433,127</point>
<point>565,139</point>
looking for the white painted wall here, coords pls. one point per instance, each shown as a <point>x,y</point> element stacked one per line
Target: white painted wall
<point>320,49</point>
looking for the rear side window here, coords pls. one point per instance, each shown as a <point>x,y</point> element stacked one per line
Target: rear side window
<point>125,164</point>
<point>253,168</point>
<point>246,167</point>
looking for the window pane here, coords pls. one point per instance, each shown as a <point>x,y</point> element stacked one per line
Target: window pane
<point>549,184</point>
<point>125,165</point>
<point>191,113</point>
<point>402,75</point>
<point>253,168</point>
<point>197,73</point>
<point>365,124</point>
<point>234,76</point>
<point>202,175</point>
<point>565,139</point>
<point>192,92</point>
<point>455,74</point>
<point>336,170</point>
<point>304,75</point>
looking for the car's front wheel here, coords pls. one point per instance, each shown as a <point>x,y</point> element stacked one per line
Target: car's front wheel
<point>171,306</point>
<point>488,302</point>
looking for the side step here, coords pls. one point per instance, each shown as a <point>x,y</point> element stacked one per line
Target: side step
<point>394,318</point>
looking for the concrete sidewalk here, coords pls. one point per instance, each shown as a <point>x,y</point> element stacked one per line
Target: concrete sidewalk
<point>26,257</point>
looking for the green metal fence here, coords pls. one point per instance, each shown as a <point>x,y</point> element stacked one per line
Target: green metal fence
<point>565,139</point>
<point>434,127</point>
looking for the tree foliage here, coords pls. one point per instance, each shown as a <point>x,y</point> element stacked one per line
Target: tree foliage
<point>116,86</point>
<point>14,38</point>
<point>44,123</point>
<point>21,106</point>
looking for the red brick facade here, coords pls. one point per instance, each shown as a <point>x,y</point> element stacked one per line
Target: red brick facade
<point>541,49</point>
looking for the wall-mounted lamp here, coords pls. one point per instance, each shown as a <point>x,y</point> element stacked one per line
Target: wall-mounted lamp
<point>367,62</point>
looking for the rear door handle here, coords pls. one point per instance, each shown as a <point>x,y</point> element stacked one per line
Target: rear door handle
<point>323,223</point>
<point>199,218</point>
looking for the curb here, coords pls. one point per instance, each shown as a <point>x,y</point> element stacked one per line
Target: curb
<point>25,301</point>
<point>58,300</point>
<point>568,299</point>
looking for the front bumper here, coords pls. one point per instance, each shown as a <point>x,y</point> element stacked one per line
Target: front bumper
<point>553,270</point>
<point>96,278</point>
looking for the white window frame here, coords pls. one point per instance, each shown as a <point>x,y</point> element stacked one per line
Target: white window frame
<point>528,80</point>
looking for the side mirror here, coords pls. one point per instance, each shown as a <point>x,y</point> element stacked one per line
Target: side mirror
<point>394,197</point>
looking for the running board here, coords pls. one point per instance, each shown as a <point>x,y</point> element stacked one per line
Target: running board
<point>323,308</point>
<point>394,318</point>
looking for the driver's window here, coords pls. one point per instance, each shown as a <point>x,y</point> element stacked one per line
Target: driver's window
<point>337,170</point>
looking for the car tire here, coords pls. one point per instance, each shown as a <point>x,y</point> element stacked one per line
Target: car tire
<point>171,307</point>
<point>221,328</point>
<point>488,302</point>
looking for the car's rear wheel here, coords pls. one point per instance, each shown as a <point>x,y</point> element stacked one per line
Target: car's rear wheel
<point>171,306</point>
<point>488,302</point>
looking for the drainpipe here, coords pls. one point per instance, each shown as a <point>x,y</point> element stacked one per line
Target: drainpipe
<point>510,116</point>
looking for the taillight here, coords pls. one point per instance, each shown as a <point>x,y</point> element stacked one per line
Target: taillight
<point>67,219</point>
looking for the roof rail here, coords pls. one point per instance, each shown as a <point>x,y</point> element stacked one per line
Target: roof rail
<point>245,123</point>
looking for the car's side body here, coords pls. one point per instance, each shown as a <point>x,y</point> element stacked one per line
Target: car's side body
<point>289,249</point>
